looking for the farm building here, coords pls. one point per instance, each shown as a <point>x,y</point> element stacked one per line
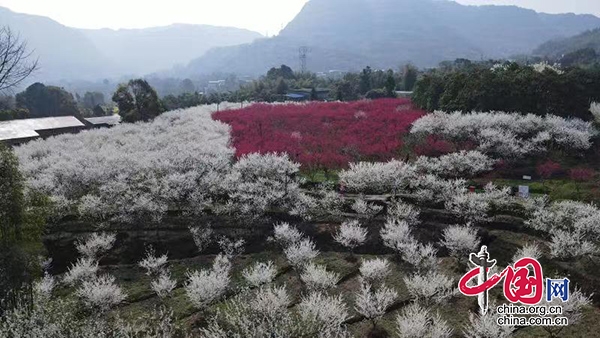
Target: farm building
<point>103,121</point>
<point>20,131</point>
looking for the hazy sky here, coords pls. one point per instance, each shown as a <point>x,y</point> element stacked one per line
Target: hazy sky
<point>263,16</point>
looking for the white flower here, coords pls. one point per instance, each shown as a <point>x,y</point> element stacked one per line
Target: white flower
<point>286,235</point>
<point>201,236</point>
<point>351,234</point>
<point>206,286</point>
<point>317,278</point>
<point>100,293</point>
<point>374,270</point>
<point>153,265</point>
<point>374,304</point>
<point>432,286</point>
<point>260,273</point>
<point>460,240</point>
<point>46,285</point>
<point>83,269</point>
<point>416,321</point>
<point>301,253</point>
<point>96,244</point>
<point>329,310</point>
<point>163,285</point>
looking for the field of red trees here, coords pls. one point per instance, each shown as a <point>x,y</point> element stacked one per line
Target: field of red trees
<point>323,135</point>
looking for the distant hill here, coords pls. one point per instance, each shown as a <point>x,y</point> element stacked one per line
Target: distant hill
<point>559,47</point>
<point>350,34</point>
<point>67,53</point>
<point>142,51</point>
<point>63,52</point>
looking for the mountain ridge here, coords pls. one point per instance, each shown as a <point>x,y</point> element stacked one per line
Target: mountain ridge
<point>351,34</point>
<point>67,53</point>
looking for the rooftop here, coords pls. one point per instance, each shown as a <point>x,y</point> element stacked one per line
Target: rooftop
<point>111,120</point>
<point>27,128</point>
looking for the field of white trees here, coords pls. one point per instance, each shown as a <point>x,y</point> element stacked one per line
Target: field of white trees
<point>183,162</point>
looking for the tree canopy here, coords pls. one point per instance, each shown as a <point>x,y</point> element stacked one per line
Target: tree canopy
<point>137,101</point>
<point>46,101</point>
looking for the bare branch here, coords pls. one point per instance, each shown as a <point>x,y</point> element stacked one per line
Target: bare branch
<point>16,61</point>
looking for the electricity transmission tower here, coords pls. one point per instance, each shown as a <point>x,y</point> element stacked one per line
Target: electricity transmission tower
<point>303,55</point>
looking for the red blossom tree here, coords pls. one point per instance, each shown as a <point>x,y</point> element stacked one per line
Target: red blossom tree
<point>434,147</point>
<point>581,174</point>
<point>323,135</point>
<point>548,169</point>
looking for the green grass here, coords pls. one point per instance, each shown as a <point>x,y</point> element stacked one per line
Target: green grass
<point>556,189</point>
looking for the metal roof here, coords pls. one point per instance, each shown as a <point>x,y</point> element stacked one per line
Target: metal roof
<point>18,129</point>
<point>110,120</point>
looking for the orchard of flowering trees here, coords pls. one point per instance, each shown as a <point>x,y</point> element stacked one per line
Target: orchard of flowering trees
<point>379,252</point>
<point>323,135</point>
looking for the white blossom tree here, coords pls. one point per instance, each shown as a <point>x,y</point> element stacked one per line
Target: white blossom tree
<point>415,321</point>
<point>351,235</point>
<point>460,241</point>
<point>163,285</point>
<point>317,278</point>
<point>301,253</point>
<point>375,270</point>
<point>430,287</point>
<point>100,293</point>
<point>366,209</point>
<point>201,236</point>
<point>463,164</point>
<point>486,326</point>
<point>328,311</point>
<point>153,265</point>
<point>260,273</point>
<point>286,235</point>
<point>206,286</point>
<point>96,245</point>
<point>83,269</point>
<point>373,304</point>
<point>399,210</point>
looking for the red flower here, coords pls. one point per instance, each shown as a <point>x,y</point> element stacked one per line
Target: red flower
<point>323,135</point>
<point>548,169</point>
<point>581,174</point>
